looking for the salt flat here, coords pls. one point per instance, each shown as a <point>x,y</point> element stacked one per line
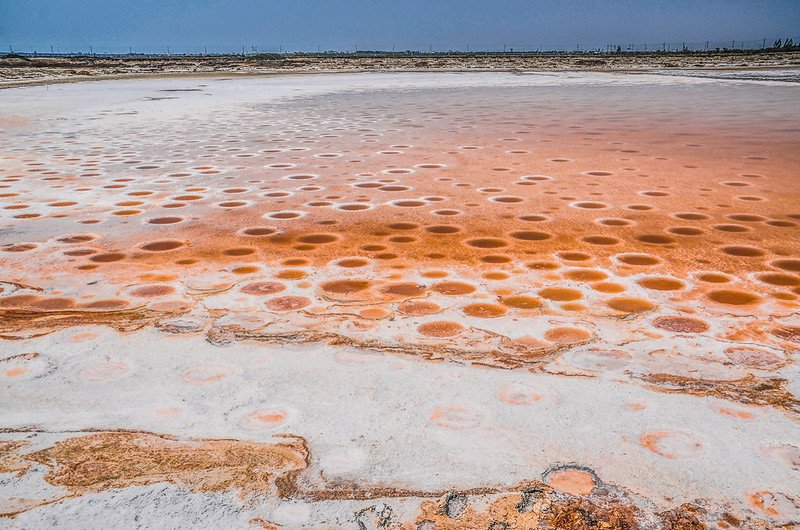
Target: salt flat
<point>417,300</point>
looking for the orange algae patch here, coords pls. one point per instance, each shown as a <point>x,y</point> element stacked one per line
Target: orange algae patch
<point>630,305</point>
<point>484,310</point>
<point>453,288</point>
<point>263,288</point>
<point>418,308</point>
<point>763,501</point>
<point>567,335</point>
<point>345,286</point>
<point>441,328</point>
<point>288,303</point>
<point>732,297</point>
<point>585,275</point>
<point>560,294</point>
<point>521,302</point>
<point>661,284</point>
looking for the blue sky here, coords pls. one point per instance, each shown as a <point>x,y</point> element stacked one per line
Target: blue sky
<point>189,25</point>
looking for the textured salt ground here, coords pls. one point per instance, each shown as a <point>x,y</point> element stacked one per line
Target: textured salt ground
<point>351,269</point>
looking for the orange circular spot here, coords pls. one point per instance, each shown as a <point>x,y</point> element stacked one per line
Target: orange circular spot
<point>418,308</point>
<point>630,305</point>
<point>201,375</point>
<point>518,394</point>
<point>263,419</point>
<point>440,328</point>
<point>571,480</point>
<point>456,417</point>
<point>484,310</point>
<point>288,303</point>
<point>566,335</point>
<point>670,444</point>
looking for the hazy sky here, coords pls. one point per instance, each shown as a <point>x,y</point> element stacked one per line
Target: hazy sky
<point>188,25</point>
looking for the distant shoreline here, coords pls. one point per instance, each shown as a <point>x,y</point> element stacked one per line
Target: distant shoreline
<point>20,71</point>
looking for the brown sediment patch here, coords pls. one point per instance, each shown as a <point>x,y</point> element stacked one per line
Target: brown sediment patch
<point>543,265</point>
<point>790,333</point>
<point>560,294</point>
<point>590,205</point>
<point>535,506</point>
<point>661,283</point>
<point>108,257</point>
<point>161,246</point>
<point>655,239</point>
<point>495,259</point>
<point>600,240</point>
<point>685,231</point>
<point>730,228</point>
<point>534,218</point>
<point>288,303</point>
<point>608,287</point>
<point>638,259</point>
<point>779,279</point>
<point>680,324</point>
<point>258,231</point>
<point>442,229</point>
<point>405,289</point>
<point>733,297</point>
<point>484,310</point>
<point>102,312</point>
<point>11,459</point>
<point>686,517</point>
<point>521,302</point>
<point>107,460</point>
<point>749,390</point>
<point>613,221</point>
<point>753,357</point>
<point>453,288</point>
<point>585,275</point>
<point>487,242</point>
<point>318,239</point>
<point>567,335</point>
<point>743,251</point>
<point>713,277</point>
<point>150,291</point>
<point>792,265</point>
<point>238,251</point>
<point>80,238</point>
<point>164,220</point>
<point>630,305</point>
<point>418,308</point>
<point>263,288</point>
<point>352,263</point>
<point>291,274</point>
<point>530,235</point>
<point>440,328</point>
<point>574,256</point>
<point>345,286</point>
